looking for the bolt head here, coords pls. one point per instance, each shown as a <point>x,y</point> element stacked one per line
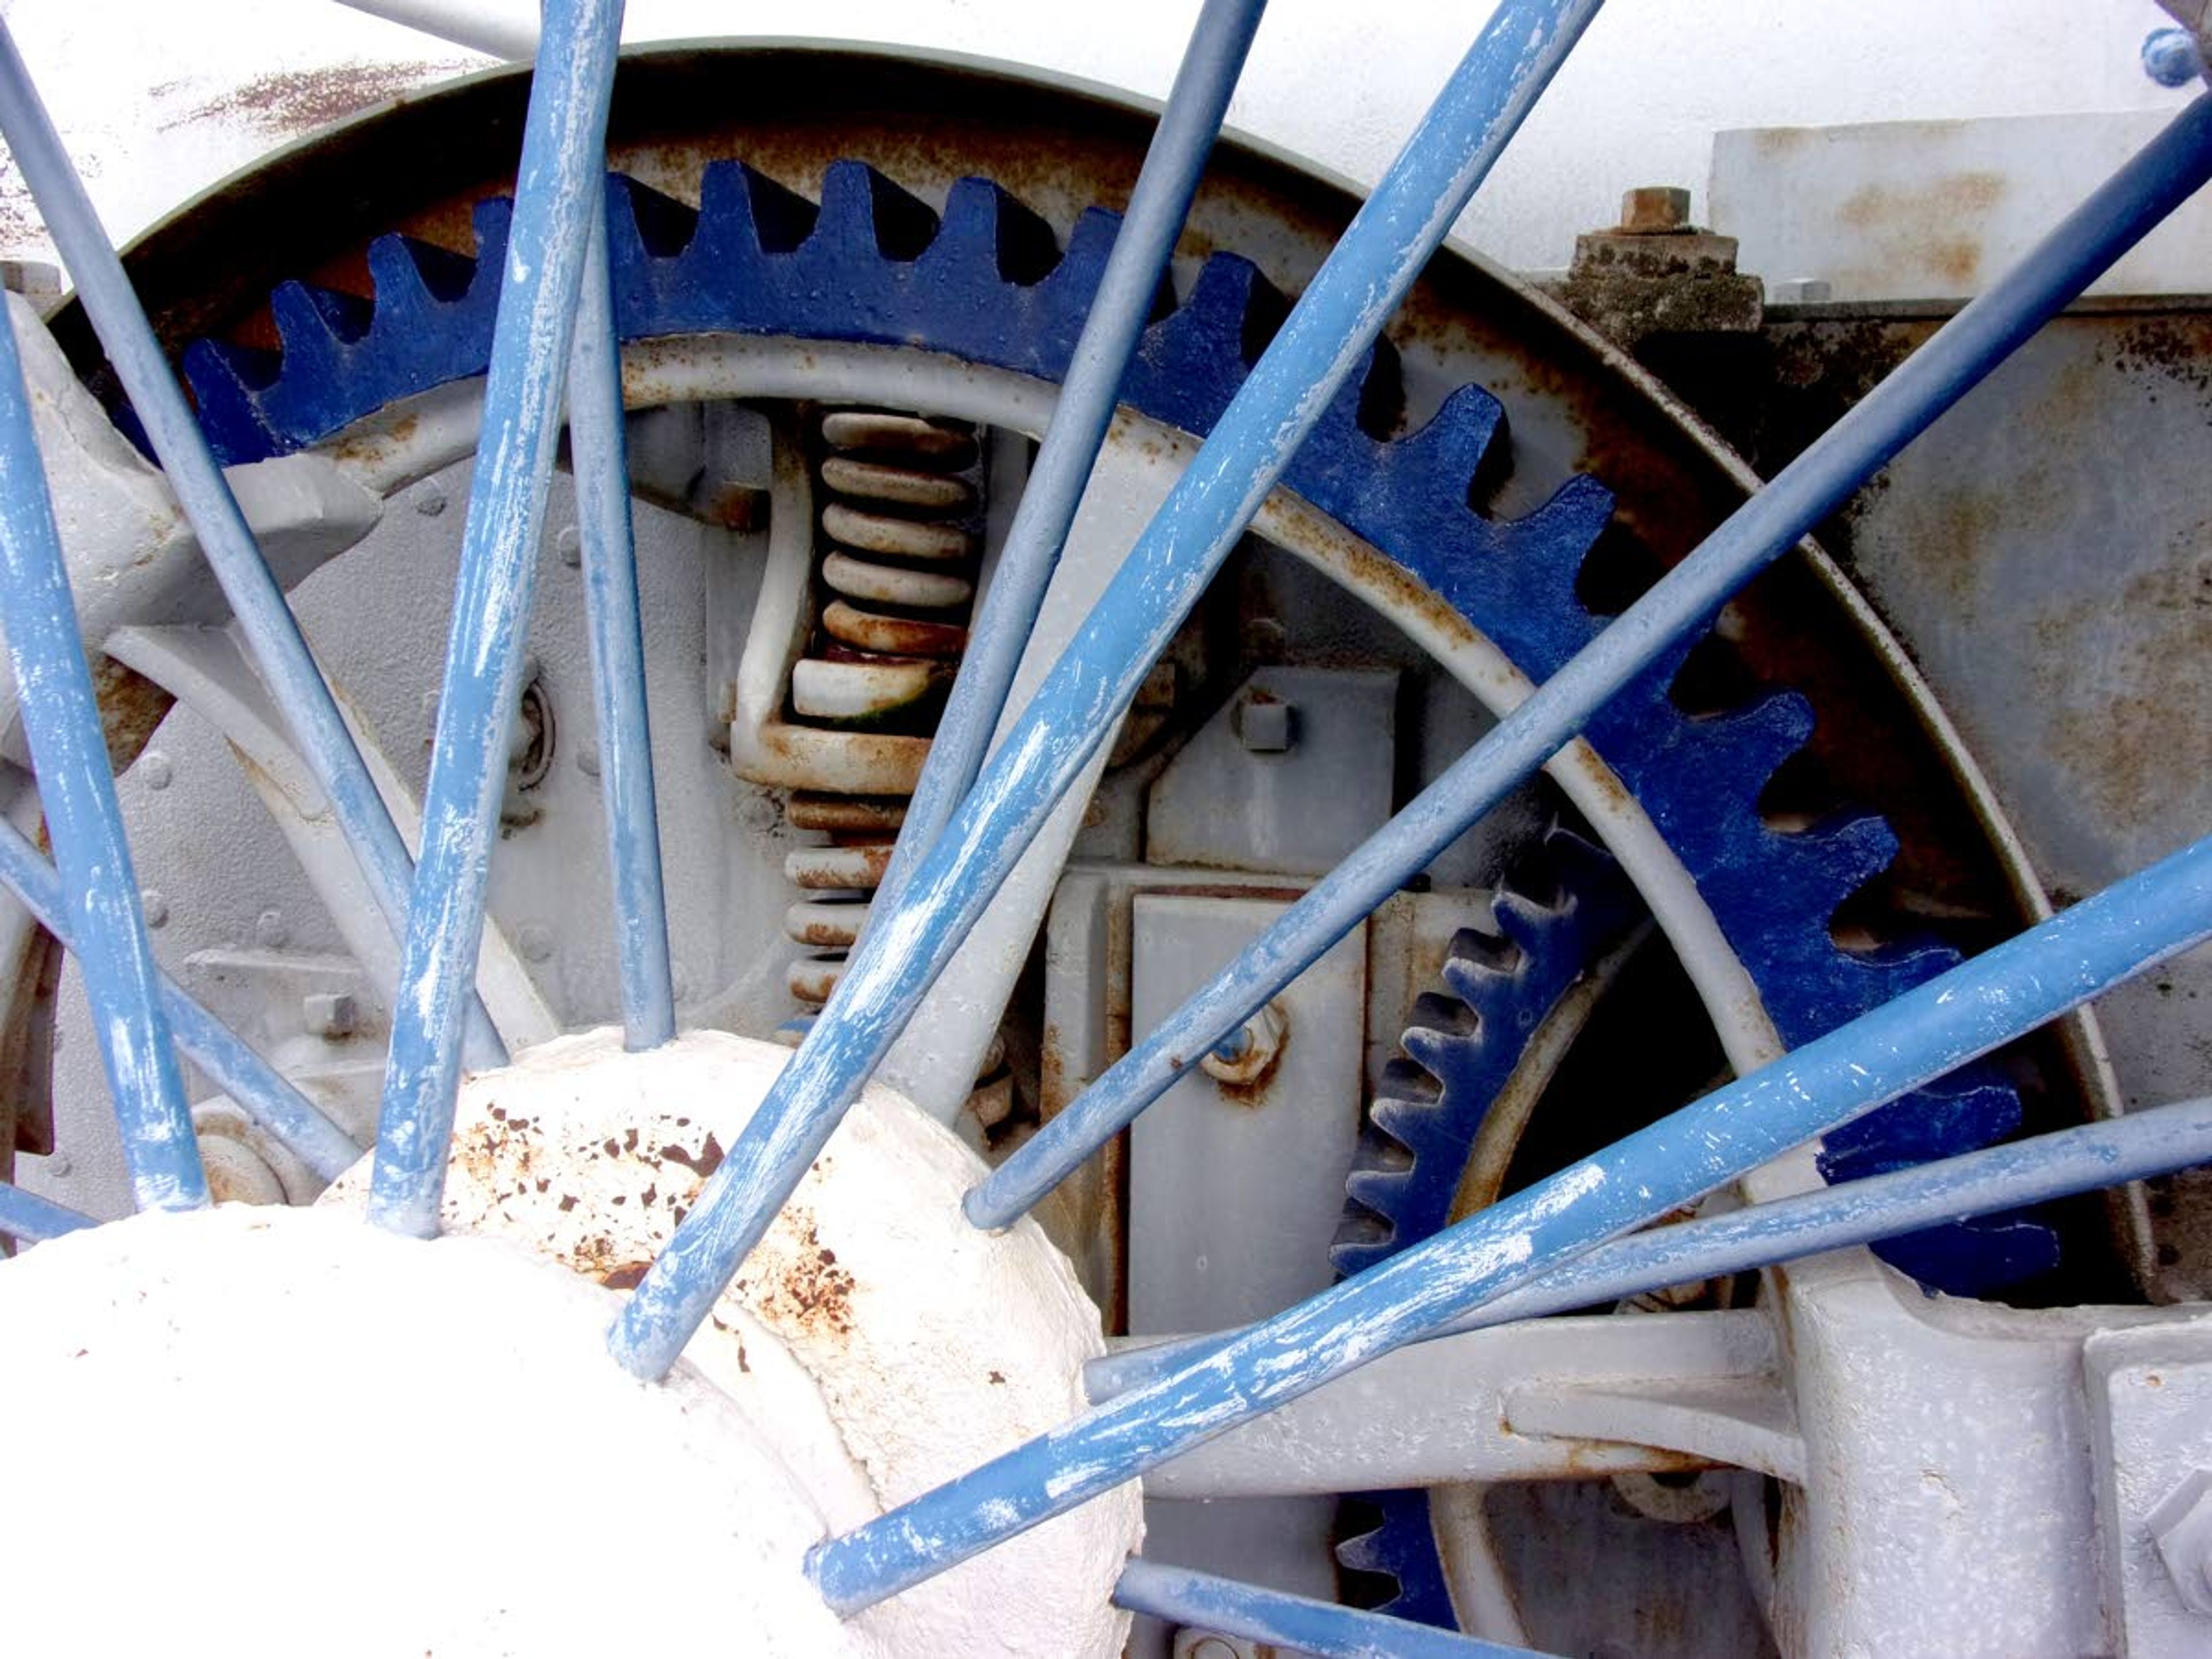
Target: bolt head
<point>331,1014</point>
<point>1655,209</point>
<point>2181,1526</point>
<point>1248,1053</point>
<point>1266,724</point>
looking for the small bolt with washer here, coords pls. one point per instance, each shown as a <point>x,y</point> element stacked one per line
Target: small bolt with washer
<point>1248,1054</point>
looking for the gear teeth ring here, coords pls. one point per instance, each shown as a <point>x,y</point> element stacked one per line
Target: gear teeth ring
<point>873,264</point>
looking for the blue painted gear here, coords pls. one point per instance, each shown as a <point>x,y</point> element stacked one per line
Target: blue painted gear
<point>872,264</point>
<point>988,283</point>
<point>1462,1047</point>
<point>1464,1044</point>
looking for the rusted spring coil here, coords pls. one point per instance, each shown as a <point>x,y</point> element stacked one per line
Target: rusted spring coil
<point>899,549</point>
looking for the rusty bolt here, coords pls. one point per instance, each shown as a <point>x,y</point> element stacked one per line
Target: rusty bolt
<point>331,1014</point>
<point>1266,724</point>
<point>2181,1526</point>
<point>1654,210</point>
<point>1248,1053</point>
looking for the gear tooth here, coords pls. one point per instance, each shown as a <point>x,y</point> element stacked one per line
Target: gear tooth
<point>662,227</point>
<point>1402,1120</point>
<point>430,323</point>
<point>315,320</point>
<point>1190,363</point>
<point>1847,850</point>
<point>1484,984</point>
<point>995,232</point>
<point>1976,1256</point>
<point>1380,1190</point>
<point>662,265</point>
<point>491,219</point>
<point>1363,1238</point>
<point>414,280</point>
<point>1961,1114</point>
<point>1089,246</point>
<point>1561,532</point>
<point>1752,742</point>
<point>1389,1538</point>
<point>224,379</point>
<point>744,214</point>
<point>1722,764</point>
<point>1598,891</point>
<point>1452,445</point>
<point>862,209</point>
<point>1528,923</point>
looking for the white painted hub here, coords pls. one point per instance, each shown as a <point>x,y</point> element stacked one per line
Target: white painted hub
<point>491,1482</point>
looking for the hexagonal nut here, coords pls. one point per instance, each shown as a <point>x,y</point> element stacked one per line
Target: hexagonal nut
<point>1655,209</point>
<point>2181,1526</point>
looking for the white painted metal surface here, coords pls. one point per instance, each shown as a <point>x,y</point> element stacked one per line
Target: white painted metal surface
<point>185,94</point>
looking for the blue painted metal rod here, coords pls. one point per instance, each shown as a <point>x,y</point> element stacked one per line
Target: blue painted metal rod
<point>559,189</point>
<point>2118,215</point>
<point>240,1073</point>
<point>33,1219</point>
<point>1321,1628</point>
<point>1082,698</point>
<point>2152,1142</point>
<point>1008,614</point>
<point>280,651</point>
<point>69,752</point>
<point>617,640</point>
<point>1919,1036</point>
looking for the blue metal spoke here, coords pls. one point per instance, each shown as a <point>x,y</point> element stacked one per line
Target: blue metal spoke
<point>69,751</point>
<point>1319,344</point>
<point>1919,1036</point>
<point>2118,215</point>
<point>33,1219</point>
<point>1321,1628</point>
<point>618,638</point>
<point>240,1073</point>
<point>557,193</point>
<point>1008,613</point>
<point>280,651</point>
<point>2155,1141</point>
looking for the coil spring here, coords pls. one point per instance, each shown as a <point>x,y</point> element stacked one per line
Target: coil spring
<point>899,548</point>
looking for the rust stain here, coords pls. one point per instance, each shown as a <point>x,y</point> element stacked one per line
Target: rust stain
<point>290,101</point>
<point>797,1285</point>
<point>1936,227</point>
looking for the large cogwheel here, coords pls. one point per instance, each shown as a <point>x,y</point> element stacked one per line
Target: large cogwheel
<point>989,282</point>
